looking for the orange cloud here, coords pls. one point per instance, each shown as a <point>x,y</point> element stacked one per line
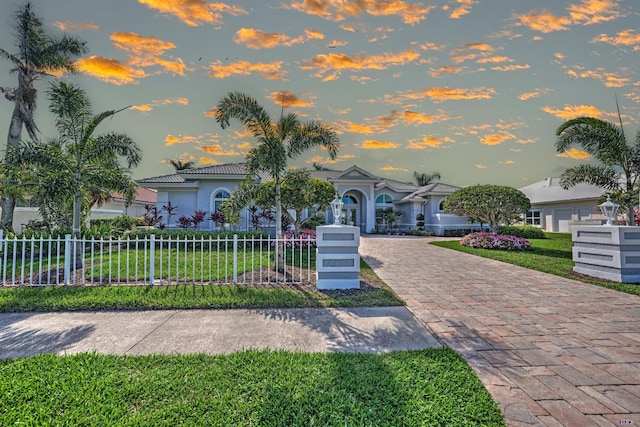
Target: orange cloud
<point>496,138</point>
<point>494,60</point>
<point>390,168</point>
<point>587,12</point>
<point>361,128</point>
<point>415,118</point>
<point>574,153</point>
<point>194,12</point>
<point>590,12</point>
<point>471,51</point>
<point>327,160</point>
<point>511,67</point>
<point>335,63</point>
<point>607,78</point>
<point>76,26</point>
<point>431,46</point>
<point>623,38</point>
<point>338,10</point>
<point>444,71</point>
<point>372,144</point>
<point>544,22</point>
<point>288,99</point>
<point>480,166</point>
<point>257,39</point>
<point>574,111</point>
<point>441,94</point>
<point>146,51</point>
<point>208,161</point>
<point>150,106</point>
<point>271,71</point>
<point>534,94</point>
<point>463,9</point>
<point>109,70</point>
<point>217,150</point>
<point>427,142</point>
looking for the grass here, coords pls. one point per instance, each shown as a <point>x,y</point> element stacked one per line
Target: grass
<point>76,298</point>
<point>248,388</point>
<point>551,255</point>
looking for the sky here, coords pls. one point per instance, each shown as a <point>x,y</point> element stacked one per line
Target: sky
<point>472,89</point>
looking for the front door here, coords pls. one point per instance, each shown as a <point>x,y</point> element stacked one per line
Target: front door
<point>350,211</point>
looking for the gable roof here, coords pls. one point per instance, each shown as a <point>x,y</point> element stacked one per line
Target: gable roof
<point>435,189</point>
<point>549,190</point>
<point>143,195</point>
<point>192,175</point>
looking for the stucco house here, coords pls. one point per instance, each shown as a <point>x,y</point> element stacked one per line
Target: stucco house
<point>364,194</point>
<point>111,209</point>
<point>555,209</point>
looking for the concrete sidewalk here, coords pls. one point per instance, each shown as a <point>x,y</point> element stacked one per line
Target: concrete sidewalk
<point>213,331</point>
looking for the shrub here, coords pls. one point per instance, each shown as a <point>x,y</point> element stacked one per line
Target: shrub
<point>524,231</point>
<point>485,240</point>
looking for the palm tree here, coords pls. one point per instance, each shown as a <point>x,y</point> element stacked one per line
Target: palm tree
<point>180,165</point>
<point>38,55</point>
<point>77,165</point>
<point>423,179</point>
<point>607,143</point>
<point>277,141</point>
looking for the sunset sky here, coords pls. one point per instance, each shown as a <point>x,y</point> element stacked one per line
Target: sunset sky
<point>473,89</point>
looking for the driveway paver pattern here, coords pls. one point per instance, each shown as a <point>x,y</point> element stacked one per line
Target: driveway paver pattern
<point>551,351</point>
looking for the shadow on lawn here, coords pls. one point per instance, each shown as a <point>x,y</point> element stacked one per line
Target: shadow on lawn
<point>19,341</point>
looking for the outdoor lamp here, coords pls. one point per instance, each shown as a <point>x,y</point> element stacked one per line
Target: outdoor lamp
<point>609,209</point>
<point>336,209</point>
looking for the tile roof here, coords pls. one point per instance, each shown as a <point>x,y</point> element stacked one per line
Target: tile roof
<point>143,195</point>
<point>437,188</point>
<point>548,191</point>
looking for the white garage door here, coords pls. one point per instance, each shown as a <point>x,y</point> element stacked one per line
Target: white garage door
<point>561,218</point>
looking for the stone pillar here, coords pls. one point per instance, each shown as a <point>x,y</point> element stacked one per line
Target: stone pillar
<point>608,252</point>
<point>337,257</point>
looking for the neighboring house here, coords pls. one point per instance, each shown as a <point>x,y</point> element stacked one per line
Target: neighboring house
<point>111,209</point>
<point>364,196</point>
<point>556,209</point>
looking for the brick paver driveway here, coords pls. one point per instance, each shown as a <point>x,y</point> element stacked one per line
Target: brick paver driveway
<point>551,351</point>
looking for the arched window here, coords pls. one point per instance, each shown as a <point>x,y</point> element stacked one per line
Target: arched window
<point>440,206</point>
<point>349,200</point>
<point>383,199</point>
<point>217,199</point>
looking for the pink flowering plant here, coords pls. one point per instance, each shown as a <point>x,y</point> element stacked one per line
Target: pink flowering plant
<point>487,240</point>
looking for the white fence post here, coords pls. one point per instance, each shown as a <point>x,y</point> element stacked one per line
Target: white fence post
<point>152,261</point>
<point>235,259</point>
<point>67,258</point>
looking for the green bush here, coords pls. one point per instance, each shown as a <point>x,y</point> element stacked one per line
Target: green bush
<point>524,231</point>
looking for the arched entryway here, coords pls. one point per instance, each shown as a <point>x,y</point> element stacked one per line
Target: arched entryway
<point>354,209</point>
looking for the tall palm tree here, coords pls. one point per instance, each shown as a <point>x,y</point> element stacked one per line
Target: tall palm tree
<point>423,179</point>
<point>180,165</point>
<point>77,165</point>
<point>277,141</point>
<point>607,143</point>
<point>37,55</point>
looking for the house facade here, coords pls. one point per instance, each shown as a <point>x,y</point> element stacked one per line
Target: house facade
<point>364,194</point>
<point>556,209</point>
<point>111,209</point>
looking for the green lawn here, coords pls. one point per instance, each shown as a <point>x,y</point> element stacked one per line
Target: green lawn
<point>433,387</point>
<point>186,296</point>
<point>551,255</point>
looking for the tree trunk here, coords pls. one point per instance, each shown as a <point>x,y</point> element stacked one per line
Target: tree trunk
<point>13,140</point>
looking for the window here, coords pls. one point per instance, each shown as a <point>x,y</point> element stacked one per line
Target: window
<point>533,218</point>
<point>349,200</point>
<point>218,198</point>
<point>441,205</point>
<point>383,199</point>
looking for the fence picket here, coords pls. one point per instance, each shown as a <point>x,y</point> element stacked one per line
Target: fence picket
<point>149,261</point>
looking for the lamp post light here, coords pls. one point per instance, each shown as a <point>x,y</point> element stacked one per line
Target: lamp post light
<point>336,209</point>
<point>609,209</point>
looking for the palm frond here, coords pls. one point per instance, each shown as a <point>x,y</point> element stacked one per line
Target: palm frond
<point>598,175</point>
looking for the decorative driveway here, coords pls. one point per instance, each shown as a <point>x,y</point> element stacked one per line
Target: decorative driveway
<point>551,351</point>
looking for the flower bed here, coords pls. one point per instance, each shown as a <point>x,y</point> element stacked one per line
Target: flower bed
<point>495,241</point>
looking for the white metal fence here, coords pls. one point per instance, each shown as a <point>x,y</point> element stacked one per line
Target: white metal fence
<point>152,261</point>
